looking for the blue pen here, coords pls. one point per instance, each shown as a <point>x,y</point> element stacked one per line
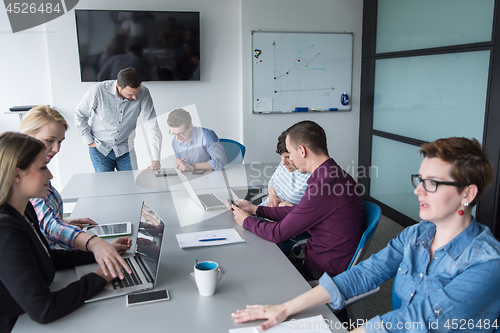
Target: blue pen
<point>211,239</point>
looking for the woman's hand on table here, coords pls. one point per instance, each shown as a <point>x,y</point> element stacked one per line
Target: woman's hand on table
<point>274,314</point>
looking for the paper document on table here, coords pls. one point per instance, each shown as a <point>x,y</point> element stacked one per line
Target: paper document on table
<point>209,238</point>
<point>316,324</point>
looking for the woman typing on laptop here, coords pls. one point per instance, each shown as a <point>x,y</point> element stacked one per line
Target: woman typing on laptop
<point>27,264</point>
<point>48,126</point>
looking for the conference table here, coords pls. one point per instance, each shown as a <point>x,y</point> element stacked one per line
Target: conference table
<point>255,271</point>
<point>240,176</point>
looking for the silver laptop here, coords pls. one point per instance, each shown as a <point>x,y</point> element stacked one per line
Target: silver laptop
<point>144,262</point>
<point>206,201</point>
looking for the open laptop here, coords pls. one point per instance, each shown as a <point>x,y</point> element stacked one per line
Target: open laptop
<point>229,192</point>
<point>206,201</point>
<point>144,262</point>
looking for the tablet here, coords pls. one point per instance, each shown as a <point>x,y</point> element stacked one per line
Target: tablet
<point>165,172</point>
<point>110,230</point>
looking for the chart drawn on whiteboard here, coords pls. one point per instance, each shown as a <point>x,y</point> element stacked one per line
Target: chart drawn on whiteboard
<point>301,70</point>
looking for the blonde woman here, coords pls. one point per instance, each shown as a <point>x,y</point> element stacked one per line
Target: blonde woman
<point>27,263</point>
<point>48,126</point>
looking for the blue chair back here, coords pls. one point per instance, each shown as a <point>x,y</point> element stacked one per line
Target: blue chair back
<point>396,301</point>
<point>373,213</point>
<point>235,151</point>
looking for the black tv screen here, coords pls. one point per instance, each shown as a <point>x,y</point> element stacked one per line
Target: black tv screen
<point>160,45</point>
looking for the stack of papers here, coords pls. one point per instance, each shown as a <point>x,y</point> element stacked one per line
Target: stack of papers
<point>316,324</point>
<point>209,238</point>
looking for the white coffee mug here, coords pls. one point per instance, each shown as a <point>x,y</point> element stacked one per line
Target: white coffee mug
<point>207,274</point>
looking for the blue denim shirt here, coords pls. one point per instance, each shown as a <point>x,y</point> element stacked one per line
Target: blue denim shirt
<point>456,290</point>
<point>204,146</point>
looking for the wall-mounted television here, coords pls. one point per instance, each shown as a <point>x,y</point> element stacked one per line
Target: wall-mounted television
<point>161,45</point>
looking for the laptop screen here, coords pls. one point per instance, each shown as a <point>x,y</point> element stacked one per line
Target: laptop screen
<point>149,238</point>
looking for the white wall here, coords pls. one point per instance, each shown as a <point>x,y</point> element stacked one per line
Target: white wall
<point>41,66</point>
<point>24,72</point>
<point>216,94</point>
<point>260,131</point>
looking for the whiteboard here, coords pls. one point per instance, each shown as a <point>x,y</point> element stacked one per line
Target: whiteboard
<point>294,72</point>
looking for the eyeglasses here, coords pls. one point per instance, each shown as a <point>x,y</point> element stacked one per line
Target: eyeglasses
<point>177,134</point>
<point>430,185</point>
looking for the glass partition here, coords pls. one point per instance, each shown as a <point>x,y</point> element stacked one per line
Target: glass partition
<point>394,162</point>
<point>431,97</point>
<point>411,25</point>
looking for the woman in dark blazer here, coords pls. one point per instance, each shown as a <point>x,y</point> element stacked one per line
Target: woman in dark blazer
<point>27,264</point>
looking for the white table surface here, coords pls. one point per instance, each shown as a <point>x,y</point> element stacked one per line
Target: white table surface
<point>255,175</point>
<point>256,272</point>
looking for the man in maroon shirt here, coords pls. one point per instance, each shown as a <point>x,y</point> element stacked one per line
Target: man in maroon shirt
<point>331,209</point>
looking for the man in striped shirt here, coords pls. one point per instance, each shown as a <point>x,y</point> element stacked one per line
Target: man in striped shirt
<point>287,185</point>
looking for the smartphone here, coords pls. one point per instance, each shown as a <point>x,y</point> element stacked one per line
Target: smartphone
<point>198,171</point>
<point>110,230</point>
<point>165,172</point>
<point>148,297</point>
<point>232,202</point>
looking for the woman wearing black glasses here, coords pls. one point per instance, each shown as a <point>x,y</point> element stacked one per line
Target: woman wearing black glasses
<point>445,268</point>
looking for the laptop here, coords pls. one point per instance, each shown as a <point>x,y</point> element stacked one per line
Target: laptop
<point>144,262</point>
<point>206,201</point>
<point>229,192</point>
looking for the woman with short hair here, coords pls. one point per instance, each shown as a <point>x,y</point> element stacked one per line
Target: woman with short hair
<point>445,268</point>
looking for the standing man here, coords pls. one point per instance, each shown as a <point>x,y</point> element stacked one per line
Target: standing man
<point>113,108</point>
<point>194,147</point>
<point>331,209</point>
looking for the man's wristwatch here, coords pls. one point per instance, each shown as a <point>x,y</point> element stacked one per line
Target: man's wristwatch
<point>192,166</point>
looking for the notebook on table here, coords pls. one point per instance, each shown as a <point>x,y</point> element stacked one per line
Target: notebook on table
<point>144,262</point>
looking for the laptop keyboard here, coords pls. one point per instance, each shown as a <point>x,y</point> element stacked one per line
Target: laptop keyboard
<point>210,200</point>
<point>129,279</point>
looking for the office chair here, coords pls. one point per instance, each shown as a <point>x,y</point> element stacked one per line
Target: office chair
<point>235,151</point>
<point>355,308</point>
<point>396,302</point>
<point>373,214</point>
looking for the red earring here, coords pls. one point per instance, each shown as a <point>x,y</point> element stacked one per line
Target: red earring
<point>461,212</point>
